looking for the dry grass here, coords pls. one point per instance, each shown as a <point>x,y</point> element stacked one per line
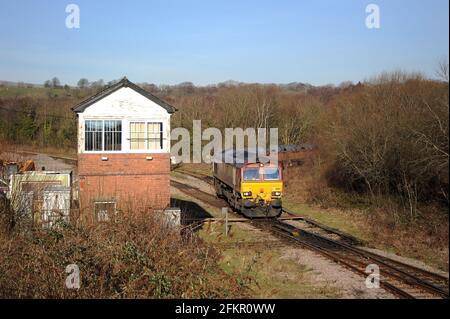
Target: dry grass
<point>262,265</point>
<point>137,256</point>
<point>382,222</point>
<point>426,238</point>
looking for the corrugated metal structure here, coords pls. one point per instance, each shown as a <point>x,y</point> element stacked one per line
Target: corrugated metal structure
<point>42,196</point>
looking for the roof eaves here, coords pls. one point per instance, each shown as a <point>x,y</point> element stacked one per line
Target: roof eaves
<point>80,107</point>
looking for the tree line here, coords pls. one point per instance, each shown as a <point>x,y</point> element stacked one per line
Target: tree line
<point>388,135</point>
<point>83,83</point>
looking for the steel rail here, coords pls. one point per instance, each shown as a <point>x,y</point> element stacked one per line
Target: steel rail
<point>424,272</point>
<point>389,269</point>
<point>339,259</point>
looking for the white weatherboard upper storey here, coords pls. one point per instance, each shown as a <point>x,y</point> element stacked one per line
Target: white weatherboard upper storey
<point>125,102</point>
<point>127,105</point>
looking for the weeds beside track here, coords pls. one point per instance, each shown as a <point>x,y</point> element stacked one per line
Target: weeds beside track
<point>403,280</point>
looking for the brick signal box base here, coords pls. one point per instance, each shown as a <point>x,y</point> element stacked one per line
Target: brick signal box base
<point>132,181</point>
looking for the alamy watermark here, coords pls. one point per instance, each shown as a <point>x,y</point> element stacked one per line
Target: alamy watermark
<point>236,145</point>
<point>73,17</point>
<point>373,279</point>
<point>373,17</point>
<point>73,279</point>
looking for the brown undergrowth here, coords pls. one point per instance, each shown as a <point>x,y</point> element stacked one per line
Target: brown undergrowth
<point>136,256</point>
<point>383,221</point>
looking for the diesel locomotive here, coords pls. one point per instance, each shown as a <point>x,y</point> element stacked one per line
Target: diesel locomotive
<point>253,188</point>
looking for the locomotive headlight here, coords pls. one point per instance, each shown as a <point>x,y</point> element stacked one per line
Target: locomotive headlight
<point>276,193</point>
<point>247,194</point>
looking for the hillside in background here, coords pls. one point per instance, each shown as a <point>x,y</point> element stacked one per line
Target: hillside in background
<point>387,137</point>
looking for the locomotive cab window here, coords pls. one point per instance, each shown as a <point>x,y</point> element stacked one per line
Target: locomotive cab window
<point>271,173</point>
<point>251,174</point>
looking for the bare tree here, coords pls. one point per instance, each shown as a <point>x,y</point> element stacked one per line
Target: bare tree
<point>56,83</point>
<point>83,83</point>
<point>442,71</point>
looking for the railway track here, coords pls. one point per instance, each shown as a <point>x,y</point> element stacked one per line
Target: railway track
<point>403,280</point>
<point>67,159</point>
<point>313,224</point>
<point>206,178</point>
<point>199,194</point>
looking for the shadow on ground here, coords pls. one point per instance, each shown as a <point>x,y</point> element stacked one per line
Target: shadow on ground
<point>191,212</point>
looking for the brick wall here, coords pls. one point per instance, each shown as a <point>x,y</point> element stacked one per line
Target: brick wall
<point>130,179</point>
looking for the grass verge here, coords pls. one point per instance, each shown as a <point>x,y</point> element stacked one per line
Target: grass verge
<point>259,261</point>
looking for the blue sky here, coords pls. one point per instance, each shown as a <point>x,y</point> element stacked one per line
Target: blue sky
<point>168,42</point>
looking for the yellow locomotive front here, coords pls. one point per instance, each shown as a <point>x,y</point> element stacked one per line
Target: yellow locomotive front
<point>253,188</point>
<point>261,189</point>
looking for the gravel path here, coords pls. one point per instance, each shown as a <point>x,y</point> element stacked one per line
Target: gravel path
<point>350,284</point>
<point>50,163</point>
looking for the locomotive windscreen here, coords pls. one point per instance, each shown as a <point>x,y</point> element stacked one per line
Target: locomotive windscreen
<point>271,174</point>
<point>251,174</point>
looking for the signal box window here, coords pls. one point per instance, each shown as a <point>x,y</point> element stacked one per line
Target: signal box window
<point>146,136</point>
<point>137,135</point>
<point>100,135</point>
